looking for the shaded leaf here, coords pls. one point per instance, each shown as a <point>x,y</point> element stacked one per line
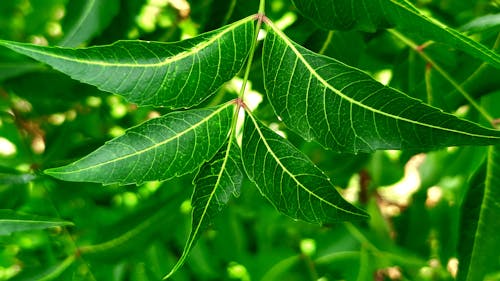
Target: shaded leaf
<point>370,15</point>
<point>12,65</point>
<point>12,221</point>
<point>85,19</point>
<point>159,149</point>
<point>346,110</point>
<point>180,74</point>
<point>289,180</point>
<point>478,249</point>
<point>214,184</point>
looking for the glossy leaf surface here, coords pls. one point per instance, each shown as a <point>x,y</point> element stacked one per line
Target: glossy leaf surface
<point>346,110</point>
<point>159,149</point>
<point>368,15</point>
<point>289,180</point>
<point>11,221</point>
<point>175,75</point>
<point>216,181</point>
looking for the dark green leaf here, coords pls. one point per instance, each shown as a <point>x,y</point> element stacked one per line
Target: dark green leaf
<point>214,184</point>
<point>12,221</point>
<point>346,110</point>
<point>370,15</point>
<point>159,149</point>
<point>289,180</point>
<point>478,248</point>
<point>12,64</point>
<point>85,19</point>
<point>175,75</point>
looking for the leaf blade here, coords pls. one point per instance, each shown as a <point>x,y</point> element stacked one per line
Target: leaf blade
<point>372,15</point>
<point>360,113</point>
<point>154,73</point>
<point>85,19</point>
<point>171,145</point>
<point>481,222</point>
<point>286,177</point>
<point>214,184</point>
<point>12,221</point>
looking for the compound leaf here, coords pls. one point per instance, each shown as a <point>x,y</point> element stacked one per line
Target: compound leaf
<point>214,184</point>
<point>369,15</point>
<point>289,180</point>
<point>346,110</point>
<point>159,149</point>
<point>175,75</point>
<point>12,221</point>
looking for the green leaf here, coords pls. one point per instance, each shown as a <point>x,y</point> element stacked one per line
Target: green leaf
<point>12,221</point>
<point>346,110</point>
<point>485,23</point>
<point>159,149</point>
<point>478,249</point>
<point>289,180</point>
<point>12,64</point>
<point>85,19</point>
<point>214,184</point>
<point>368,15</point>
<point>175,75</point>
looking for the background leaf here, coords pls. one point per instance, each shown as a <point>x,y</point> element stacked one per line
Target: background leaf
<point>12,221</point>
<point>346,110</point>
<point>216,181</point>
<point>370,15</point>
<point>481,222</point>
<point>178,74</point>
<point>289,180</point>
<point>158,149</point>
<point>85,19</point>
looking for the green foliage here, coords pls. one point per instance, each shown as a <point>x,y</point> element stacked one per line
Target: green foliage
<point>361,123</point>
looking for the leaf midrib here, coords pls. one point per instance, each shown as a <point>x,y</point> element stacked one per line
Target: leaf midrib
<point>195,49</point>
<point>269,149</point>
<point>176,136</point>
<point>352,101</point>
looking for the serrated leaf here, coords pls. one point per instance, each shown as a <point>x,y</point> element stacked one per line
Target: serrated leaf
<point>214,184</point>
<point>159,149</point>
<point>346,110</point>
<point>86,18</point>
<point>12,221</point>
<point>368,15</point>
<point>478,249</point>
<point>289,180</point>
<point>174,75</point>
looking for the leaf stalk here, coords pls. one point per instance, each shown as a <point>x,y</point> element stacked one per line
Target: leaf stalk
<point>460,89</point>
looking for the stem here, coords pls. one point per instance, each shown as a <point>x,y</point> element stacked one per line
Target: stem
<point>327,42</point>
<point>436,66</point>
<point>259,16</point>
